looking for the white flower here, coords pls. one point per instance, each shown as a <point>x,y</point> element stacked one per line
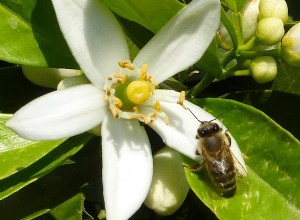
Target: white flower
<point>123,91</point>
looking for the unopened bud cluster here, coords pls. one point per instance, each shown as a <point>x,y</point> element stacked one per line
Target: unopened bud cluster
<point>262,31</point>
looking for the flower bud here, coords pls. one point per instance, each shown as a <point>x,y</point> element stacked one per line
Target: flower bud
<point>169,186</point>
<point>291,46</point>
<point>249,18</point>
<point>273,8</point>
<point>270,31</point>
<point>48,77</point>
<point>263,69</point>
<point>249,15</point>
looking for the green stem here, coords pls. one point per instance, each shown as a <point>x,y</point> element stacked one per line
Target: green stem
<point>241,73</point>
<point>249,45</point>
<point>252,54</point>
<point>203,84</point>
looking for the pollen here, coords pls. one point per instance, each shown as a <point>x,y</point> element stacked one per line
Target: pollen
<point>144,75</point>
<point>126,64</point>
<point>118,102</point>
<point>138,92</point>
<point>115,111</point>
<point>157,106</point>
<point>181,99</point>
<point>121,78</point>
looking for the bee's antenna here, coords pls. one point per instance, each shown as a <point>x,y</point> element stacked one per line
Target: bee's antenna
<point>194,115</point>
<point>217,116</point>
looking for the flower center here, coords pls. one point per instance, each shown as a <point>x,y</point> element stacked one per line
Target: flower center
<point>138,92</point>
<point>130,94</point>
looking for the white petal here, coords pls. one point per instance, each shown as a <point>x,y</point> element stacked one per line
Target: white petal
<point>127,167</point>
<point>181,132</point>
<point>60,114</point>
<point>93,35</point>
<point>182,41</point>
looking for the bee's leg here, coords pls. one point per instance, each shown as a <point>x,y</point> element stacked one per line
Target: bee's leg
<point>228,138</point>
<point>195,167</point>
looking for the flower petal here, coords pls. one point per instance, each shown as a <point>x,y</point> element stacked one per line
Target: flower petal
<point>93,35</point>
<point>127,166</point>
<point>60,114</point>
<point>181,132</point>
<point>182,41</point>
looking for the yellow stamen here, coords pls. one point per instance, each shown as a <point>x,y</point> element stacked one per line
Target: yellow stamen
<point>181,99</point>
<point>143,72</point>
<point>118,102</point>
<point>121,78</point>
<point>157,106</point>
<point>140,117</point>
<point>115,111</point>
<point>107,93</point>
<point>126,64</point>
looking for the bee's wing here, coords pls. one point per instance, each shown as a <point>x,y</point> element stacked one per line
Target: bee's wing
<point>241,171</point>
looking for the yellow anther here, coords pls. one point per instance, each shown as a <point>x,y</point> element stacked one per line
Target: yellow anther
<point>115,111</point>
<point>118,102</point>
<point>107,93</point>
<point>143,72</point>
<point>152,81</point>
<point>140,117</point>
<point>145,77</point>
<point>126,64</point>
<point>157,106</point>
<point>121,78</point>
<point>138,92</point>
<point>181,99</point>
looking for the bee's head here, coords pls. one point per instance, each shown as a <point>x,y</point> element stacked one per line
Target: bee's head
<point>207,128</point>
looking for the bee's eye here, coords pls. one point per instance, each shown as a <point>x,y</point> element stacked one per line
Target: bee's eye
<point>216,127</point>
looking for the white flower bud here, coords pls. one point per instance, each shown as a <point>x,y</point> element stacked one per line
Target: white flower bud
<point>169,186</point>
<point>48,77</point>
<point>263,69</point>
<point>249,18</point>
<point>273,8</point>
<point>270,31</point>
<point>291,46</point>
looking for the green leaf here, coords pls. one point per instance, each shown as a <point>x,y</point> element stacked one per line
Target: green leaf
<point>17,153</point>
<point>172,83</point>
<point>234,5</point>
<point>30,35</point>
<point>23,161</point>
<point>271,154</point>
<point>70,209</point>
<point>150,14</point>
<point>210,62</point>
<point>48,196</point>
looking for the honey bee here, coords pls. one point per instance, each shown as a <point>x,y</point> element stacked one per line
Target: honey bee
<point>220,163</point>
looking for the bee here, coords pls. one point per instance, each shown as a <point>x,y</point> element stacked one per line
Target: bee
<point>220,163</point>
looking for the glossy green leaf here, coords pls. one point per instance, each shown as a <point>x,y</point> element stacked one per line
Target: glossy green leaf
<point>17,153</point>
<point>48,196</point>
<point>234,5</point>
<point>23,161</point>
<point>210,62</point>
<point>150,14</point>
<point>70,209</point>
<point>30,35</point>
<point>271,154</point>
